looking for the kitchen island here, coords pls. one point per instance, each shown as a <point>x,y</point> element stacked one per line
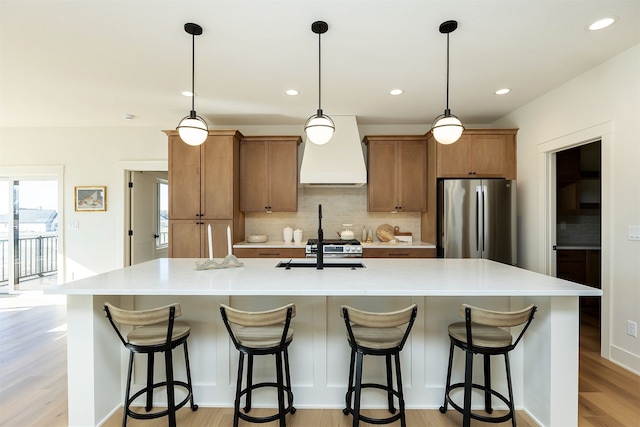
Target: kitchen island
<point>544,365</point>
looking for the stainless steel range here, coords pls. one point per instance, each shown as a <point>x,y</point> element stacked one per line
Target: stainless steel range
<point>334,248</point>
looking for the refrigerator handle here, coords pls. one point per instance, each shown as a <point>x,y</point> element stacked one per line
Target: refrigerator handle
<point>484,214</point>
<point>478,219</point>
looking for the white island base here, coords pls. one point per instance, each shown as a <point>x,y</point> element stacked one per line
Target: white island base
<point>544,365</point>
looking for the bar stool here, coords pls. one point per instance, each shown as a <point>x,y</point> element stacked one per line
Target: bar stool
<point>482,333</point>
<point>155,331</point>
<point>256,334</point>
<point>376,334</point>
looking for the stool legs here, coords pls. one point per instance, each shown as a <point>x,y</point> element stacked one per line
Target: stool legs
<point>511,408</point>
<point>194,407</point>
<point>150,364</point>
<point>355,389</point>
<point>403,421</point>
<point>236,407</point>
<point>358,390</point>
<point>247,400</point>
<point>171,400</point>
<point>468,380</point>
<point>445,405</point>
<point>392,409</point>
<point>127,393</point>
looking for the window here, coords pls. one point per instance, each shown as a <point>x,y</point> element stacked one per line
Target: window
<point>162,210</point>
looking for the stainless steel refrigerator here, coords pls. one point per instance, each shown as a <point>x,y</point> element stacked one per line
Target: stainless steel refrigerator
<point>477,219</point>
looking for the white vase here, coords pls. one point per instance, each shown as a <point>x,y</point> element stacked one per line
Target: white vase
<point>288,234</point>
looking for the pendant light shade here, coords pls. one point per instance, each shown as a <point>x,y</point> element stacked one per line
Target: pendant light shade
<point>447,128</point>
<point>319,127</point>
<point>192,129</point>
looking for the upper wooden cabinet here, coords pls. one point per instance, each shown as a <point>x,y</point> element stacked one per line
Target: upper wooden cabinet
<point>397,173</point>
<point>204,188</point>
<point>479,153</point>
<point>203,180</point>
<point>269,173</point>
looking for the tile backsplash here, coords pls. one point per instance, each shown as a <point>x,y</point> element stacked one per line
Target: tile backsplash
<point>581,229</point>
<point>339,206</point>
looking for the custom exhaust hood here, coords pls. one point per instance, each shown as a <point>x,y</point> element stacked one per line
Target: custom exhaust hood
<point>340,162</point>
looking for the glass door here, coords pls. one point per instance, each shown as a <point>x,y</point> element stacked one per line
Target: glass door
<point>29,215</point>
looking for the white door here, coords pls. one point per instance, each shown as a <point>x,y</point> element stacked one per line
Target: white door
<point>145,216</point>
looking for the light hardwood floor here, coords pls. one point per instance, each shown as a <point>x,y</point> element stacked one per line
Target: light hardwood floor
<point>33,380</point>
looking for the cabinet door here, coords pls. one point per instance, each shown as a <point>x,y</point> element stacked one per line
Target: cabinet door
<point>218,237</point>
<point>453,159</point>
<point>283,176</point>
<point>184,180</point>
<point>487,156</point>
<point>254,181</point>
<point>217,181</point>
<point>269,174</point>
<point>184,238</point>
<point>411,168</point>
<point>381,175</point>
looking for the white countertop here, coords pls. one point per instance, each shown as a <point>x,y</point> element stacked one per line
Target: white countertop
<point>372,245</point>
<point>381,277</point>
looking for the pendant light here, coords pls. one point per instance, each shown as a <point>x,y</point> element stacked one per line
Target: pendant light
<point>319,127</point>
<point>447,128</point>
<point>193,129</point>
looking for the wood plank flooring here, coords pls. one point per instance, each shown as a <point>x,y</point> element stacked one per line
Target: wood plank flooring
<point>33,380</point>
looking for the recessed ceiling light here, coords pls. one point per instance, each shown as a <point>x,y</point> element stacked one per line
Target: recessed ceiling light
<point>187,93</point>
<point>395,92</point>
<point>502,91</point>
<point>602,23</point>
<point>292,92</point>
<point>128,116</point>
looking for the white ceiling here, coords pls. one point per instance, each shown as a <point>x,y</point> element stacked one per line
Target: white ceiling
<point>90,62</point>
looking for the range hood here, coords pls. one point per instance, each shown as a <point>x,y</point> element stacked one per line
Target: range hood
<point>339,162</point>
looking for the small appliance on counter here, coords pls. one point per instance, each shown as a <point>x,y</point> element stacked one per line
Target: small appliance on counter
<point>334,248</point>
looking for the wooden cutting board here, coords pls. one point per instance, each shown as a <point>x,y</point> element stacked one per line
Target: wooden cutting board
<point>385,232</point>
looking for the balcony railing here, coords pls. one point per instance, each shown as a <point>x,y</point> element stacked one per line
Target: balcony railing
<point>36,256</point>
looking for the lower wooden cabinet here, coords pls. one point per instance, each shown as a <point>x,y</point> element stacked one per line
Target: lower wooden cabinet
<point>189,238</point>
<point>269,252</point>
<point>398,252</point>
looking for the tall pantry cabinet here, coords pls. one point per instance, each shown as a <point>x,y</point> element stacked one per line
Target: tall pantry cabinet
<point>204,189</point>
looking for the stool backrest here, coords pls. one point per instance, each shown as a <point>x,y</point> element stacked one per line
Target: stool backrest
<point>147,317</point>
<point>370,319</point>
<point>281,315</point>
<point>502,319</point>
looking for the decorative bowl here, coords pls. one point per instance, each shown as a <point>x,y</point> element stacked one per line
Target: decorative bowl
<point>257,238</point>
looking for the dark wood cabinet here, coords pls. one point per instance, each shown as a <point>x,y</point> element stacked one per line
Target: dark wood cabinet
<point>399,252</point>
<point>579,265</point>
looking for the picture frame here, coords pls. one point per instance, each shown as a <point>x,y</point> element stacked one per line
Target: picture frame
<point>90,198</point>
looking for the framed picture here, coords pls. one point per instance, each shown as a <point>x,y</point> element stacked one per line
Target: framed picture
<point>90,198</point>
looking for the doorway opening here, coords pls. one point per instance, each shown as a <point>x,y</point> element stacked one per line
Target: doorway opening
<point>579,222</point>
<point>147,216</point>
<point>29,233</point>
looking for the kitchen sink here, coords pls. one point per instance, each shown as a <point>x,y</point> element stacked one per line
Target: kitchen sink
<point>300,264</point>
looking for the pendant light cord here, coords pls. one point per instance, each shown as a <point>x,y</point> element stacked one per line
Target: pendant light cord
<point>193,71</point>
<point>319,74</point>
<point>447,71</point>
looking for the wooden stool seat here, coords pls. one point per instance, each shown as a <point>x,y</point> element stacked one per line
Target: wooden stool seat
<point>378,338</point>
<point>261,336</point>
<point>157,334</point>
<point>483,335</point>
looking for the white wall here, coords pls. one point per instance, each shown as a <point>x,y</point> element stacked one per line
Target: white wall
<point>89,156</point>
<point>608,96</point>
